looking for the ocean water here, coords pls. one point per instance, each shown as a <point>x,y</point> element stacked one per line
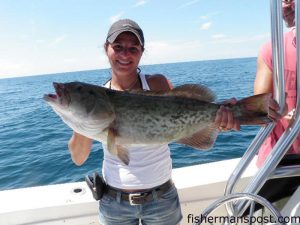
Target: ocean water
<point>33,139</point>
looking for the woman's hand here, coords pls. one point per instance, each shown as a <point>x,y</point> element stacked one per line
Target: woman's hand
<point>224,117</point>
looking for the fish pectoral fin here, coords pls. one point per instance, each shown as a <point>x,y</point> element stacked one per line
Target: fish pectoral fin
<point>111,141</point>
<point>123,154</point>
<point>203,139</point>
<point>115,149</point>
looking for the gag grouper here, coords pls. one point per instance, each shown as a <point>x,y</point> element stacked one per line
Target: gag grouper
<point>120,118</point>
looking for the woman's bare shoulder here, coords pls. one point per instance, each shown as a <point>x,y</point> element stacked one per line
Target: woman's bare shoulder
<point>159,82</point>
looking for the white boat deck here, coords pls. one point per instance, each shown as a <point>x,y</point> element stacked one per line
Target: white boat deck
<point>198,186</point>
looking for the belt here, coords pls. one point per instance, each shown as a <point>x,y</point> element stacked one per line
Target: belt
<point>138,198</point>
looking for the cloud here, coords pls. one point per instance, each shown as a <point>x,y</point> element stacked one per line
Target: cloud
<point>170,51</point>
<point>10,68</point>
<point>40,41</point>
<point>70,60</point>
<point>239,40</point>
<point>116,17</point>
<point>59,39</point>
<point>54,42</point>
<point>209,15</point>
<point>218,36</point>
<point>218,47</point>
<point>139,3</point>
<point>188,4</point>
<point>205,26</point>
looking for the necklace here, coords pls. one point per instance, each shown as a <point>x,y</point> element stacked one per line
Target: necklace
<point>131,85</point>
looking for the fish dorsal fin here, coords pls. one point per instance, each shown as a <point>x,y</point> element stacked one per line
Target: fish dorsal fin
<point>203,139</point>
<point>194,91</point>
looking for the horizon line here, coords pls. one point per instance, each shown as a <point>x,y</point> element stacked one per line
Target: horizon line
<point>76,71</point>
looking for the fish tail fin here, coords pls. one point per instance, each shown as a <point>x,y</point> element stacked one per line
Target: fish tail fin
<point>254,110</point>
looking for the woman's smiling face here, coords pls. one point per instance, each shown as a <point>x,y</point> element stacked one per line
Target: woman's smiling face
<point>124,53</point>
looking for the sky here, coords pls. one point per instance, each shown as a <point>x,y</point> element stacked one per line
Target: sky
<point>53,36</point>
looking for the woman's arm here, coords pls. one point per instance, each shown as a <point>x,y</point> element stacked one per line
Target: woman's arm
<point>264,79</point>
<point>264,84</point>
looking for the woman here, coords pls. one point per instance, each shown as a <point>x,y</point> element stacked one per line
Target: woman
<point>143,190</point>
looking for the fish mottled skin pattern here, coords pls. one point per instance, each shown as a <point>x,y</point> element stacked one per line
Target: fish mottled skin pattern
<point>147,119</point>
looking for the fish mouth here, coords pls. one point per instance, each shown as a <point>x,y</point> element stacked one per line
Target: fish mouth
<point>61,96</point>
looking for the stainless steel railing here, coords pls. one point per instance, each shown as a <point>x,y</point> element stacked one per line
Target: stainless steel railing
<point>276,21</point>
<point>251,198</point>
<point>293,130</point>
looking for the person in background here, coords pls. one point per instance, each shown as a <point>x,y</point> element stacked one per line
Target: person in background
<point>142,191</point>
<point>264,81</point>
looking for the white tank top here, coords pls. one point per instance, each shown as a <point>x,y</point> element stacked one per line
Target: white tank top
<point>150,165</point>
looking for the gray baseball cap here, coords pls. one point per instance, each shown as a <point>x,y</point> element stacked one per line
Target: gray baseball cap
<point>125,25</point>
